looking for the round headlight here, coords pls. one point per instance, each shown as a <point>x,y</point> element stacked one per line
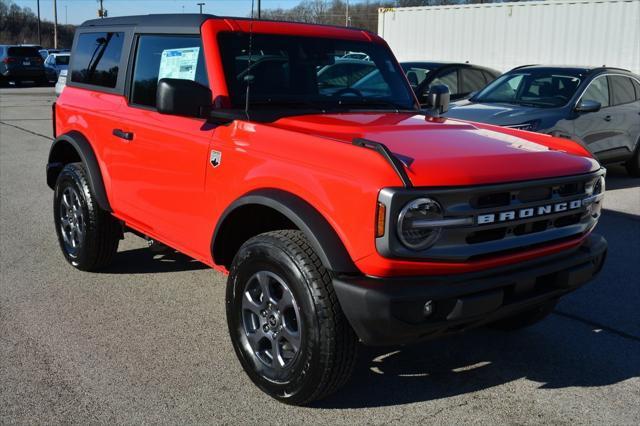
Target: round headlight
<point>413,228</point>
<point>595,187</point>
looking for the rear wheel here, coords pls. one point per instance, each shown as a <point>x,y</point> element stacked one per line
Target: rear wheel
<point>525,319</point>
<point>633,164</point>
<point>285,322</point>
<point>88,235</point>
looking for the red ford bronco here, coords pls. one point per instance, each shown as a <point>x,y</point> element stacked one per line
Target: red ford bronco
<point>341,211</point>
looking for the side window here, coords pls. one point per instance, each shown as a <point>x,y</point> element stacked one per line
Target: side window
<point>472,80</point>
<point>160,56</point>
<point>636,86</point>
<point>598,91</point>
<point>449,79</point>
<point>488,77</point>
<point>97,58</point>
<point>622,90</point>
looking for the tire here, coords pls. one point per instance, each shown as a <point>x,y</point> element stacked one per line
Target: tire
<point>88,235</point>
<point>633,164</point>
<point>525,319</point>
<point>304,307</point>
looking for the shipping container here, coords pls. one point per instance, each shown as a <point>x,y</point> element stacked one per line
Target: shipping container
<point>506,35</point>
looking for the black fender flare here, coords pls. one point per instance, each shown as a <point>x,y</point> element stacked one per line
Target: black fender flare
<point>85,151</point>
<point>321,235</point>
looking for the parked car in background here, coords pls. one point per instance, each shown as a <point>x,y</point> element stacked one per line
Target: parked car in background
<point>55,63</point>
<point>62,81</point>
<point>343,74</point>
<point>46,52</point>
<point>598,107</point>
<point>462,79</point>
<point>20,63</point>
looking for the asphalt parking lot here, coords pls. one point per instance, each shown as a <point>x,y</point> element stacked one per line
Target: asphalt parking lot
<point>146,340</point>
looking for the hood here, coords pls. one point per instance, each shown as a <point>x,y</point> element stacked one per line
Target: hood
<point>446,152</point>
<point>497,113</point>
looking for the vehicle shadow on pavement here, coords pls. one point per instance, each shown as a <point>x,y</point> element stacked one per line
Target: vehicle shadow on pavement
<point>145,261</point>
<point>556,353</point>
<point>592,339</point>
<point>618,178</point>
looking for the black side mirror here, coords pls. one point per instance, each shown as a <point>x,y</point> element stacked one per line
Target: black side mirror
<point>183,97</point>
<point>587,105</point>
<point>437,100</point>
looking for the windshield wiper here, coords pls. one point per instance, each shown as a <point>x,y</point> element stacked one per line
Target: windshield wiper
<point>374,102</point>
<point>288,103</point>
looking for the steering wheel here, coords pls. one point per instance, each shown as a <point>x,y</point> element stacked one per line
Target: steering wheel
<point>348,90</point>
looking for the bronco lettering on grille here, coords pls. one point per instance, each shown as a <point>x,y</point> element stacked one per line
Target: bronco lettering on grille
<point>509,215</point>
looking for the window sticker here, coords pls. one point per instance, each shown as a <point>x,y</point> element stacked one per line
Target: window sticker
<point>179,63</point>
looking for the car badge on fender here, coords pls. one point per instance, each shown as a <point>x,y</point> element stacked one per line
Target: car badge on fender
<point>215,158</point>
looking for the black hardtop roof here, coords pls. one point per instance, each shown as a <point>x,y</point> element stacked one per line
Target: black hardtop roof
<point>168,20</point>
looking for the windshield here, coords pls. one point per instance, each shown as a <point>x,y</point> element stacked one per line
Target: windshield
<point>536,89</point>
<point>62,59</point>
<point>318,73</point>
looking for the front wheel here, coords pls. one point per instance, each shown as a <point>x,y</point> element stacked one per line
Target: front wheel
<point>285,322</point>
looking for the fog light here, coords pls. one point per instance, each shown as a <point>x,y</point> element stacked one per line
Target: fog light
<point>428,308</point>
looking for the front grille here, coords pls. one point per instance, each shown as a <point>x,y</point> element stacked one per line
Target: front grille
<point>507,217</point>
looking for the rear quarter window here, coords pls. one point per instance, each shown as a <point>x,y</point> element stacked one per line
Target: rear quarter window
<point>622,90</point>
<point>97,58</point>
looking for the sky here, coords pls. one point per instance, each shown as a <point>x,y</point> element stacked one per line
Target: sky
<point>78,11</point>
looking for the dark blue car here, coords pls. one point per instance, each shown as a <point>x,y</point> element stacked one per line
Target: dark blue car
<point>598,107</point>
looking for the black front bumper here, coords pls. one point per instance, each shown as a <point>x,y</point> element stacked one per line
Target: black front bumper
<point>385,311</point>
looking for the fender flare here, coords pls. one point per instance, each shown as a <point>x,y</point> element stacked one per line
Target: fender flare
<point>321,235</point>
<point>87,156</point>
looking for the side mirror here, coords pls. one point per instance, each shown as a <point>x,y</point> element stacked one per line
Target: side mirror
<point>182,97</point>
<point>586,105</point>
<point>437,100</point>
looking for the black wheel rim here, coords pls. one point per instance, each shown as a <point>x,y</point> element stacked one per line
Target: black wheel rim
<point>271,324</point>
<point>72,221</point>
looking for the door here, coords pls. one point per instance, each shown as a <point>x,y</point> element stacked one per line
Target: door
<point>597,130</point>
<point>158,161</point>
<point>625,115</point>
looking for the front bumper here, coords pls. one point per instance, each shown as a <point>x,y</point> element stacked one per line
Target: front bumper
<point>386,311</point>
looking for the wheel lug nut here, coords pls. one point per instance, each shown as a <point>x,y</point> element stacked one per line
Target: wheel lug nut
<point>265,327</point>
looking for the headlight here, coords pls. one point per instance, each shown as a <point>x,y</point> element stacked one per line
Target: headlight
<point>412,220</point>
<point>595,190</point>
<point>595,187</point>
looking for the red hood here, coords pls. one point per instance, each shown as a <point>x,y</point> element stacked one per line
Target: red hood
<point>451,152</point>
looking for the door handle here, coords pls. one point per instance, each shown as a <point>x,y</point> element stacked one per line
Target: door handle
<point>607,118</point>
<point>122,134</point>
